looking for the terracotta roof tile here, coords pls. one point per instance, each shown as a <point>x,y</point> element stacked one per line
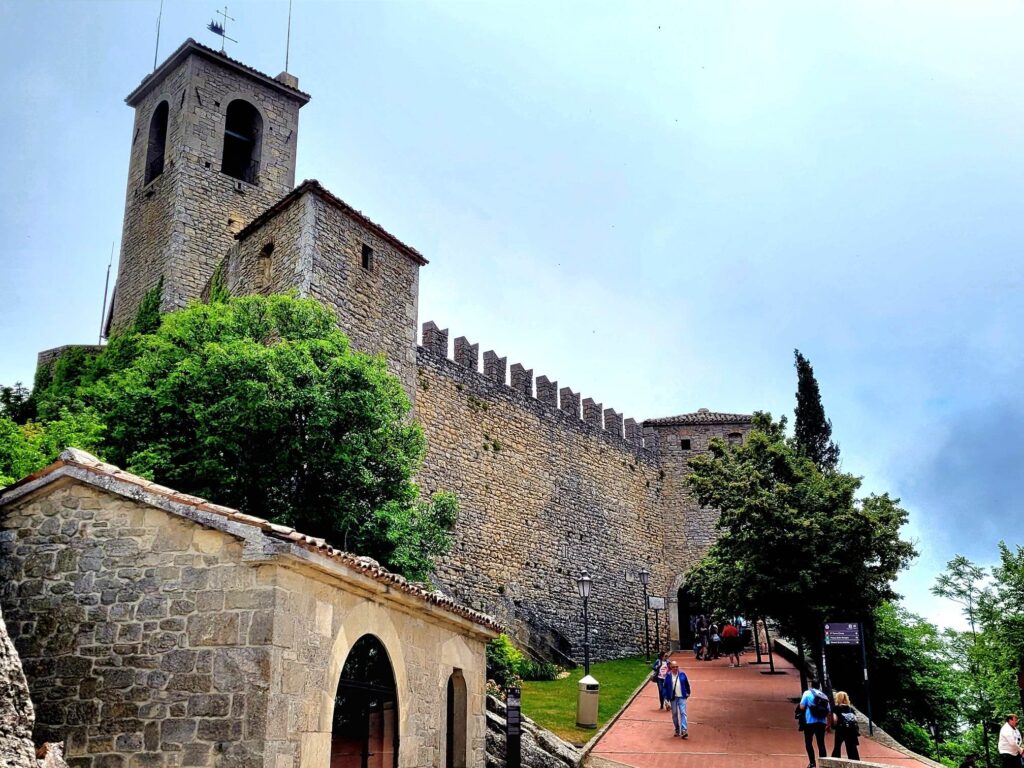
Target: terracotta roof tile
<point>363,565</point>
<point>701,416</point>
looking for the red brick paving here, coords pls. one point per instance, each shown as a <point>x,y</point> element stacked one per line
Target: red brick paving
<point>734,712</point>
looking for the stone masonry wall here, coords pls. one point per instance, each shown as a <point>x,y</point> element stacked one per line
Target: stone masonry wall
<point>151,640</point>
<point>143,641</point>
<point>183,222</point>
<point>542,494</point>
<point>376,307</point>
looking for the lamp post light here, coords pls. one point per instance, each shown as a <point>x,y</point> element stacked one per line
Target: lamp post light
<point>645,577</point>
<point>583,584</point>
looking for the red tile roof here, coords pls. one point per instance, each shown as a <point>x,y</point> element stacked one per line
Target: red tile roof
<point>701,416</point>
<point>74,458</point>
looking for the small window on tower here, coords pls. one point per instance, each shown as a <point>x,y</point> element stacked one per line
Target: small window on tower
<point>684,444</point>
<point>157,142</point>
<point>264,267</point>
<point>367,258</point>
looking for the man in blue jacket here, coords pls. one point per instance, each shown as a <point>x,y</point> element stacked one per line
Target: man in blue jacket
<point>676,690</point>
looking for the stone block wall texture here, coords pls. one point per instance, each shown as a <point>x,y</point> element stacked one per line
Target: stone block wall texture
<point>180,225</point>
<point>542,494</point>
<point>16,714</point>
<point>318,251</point>
<point>150,640</point>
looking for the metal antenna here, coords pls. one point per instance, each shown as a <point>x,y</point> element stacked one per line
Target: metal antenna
<point>221,29</point>
<point>159,16</point>
<point>106,289</point>
<point>288,42</point>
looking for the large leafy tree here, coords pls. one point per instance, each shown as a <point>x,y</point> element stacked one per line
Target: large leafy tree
<point>259,403</point>
<point>794,543</point>
<point>812,431</point>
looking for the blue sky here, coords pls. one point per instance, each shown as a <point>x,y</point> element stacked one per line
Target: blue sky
<point>651,203</point>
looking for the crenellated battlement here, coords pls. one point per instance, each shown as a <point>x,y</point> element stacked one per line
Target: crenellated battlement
<point>542,389</point>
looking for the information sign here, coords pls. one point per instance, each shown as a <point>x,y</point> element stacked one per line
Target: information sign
<point>842,633</point>
<point>513,729</point>
<point>656,603</point>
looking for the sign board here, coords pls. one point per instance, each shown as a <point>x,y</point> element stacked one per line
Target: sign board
<point>513,719</point>
<point>842,633</point>
<point>656,603</point>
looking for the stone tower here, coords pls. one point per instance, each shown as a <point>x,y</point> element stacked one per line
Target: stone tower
<point>212,148</point>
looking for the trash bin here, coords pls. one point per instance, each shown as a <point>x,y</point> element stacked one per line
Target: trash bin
<point>586,702</point>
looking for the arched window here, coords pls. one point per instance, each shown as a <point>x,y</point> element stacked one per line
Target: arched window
<point>157,142</point>
<point>243,131</point>
<point>735,438</point>
<point>365,728</point>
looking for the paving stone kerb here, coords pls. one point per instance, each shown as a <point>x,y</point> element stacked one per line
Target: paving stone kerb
<point>157,629</point>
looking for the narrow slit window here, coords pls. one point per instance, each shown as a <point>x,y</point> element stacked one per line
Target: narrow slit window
<point>157,147</point>
<point>684,443</point>
<point>367,258</point>
<point>265,267</point>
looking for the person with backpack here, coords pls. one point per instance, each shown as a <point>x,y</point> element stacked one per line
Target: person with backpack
<point>815,708</point>
<point>659,670</point>
<point>846,727</point>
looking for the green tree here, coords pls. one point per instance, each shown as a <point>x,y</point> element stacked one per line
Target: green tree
<point>794,543</point>
<point>812,431</point>
<point>259,403</point>
<point>25,448</point>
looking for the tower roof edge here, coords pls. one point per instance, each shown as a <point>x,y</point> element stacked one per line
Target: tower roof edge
<point>190,47</point>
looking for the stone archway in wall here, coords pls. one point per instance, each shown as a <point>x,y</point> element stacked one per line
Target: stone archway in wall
<point>682,610</point>
<point>455,721</point>
<point>364,727</point>
<point>367,620</point>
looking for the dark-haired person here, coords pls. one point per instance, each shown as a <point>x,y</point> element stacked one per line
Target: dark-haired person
<point>1010,744</point>
<point>816,710</point>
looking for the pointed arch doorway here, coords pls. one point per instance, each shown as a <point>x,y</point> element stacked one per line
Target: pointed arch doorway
<point>364,732</point>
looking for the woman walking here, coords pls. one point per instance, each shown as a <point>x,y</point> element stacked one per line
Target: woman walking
<point>844,723</point>
<point>659,670</point>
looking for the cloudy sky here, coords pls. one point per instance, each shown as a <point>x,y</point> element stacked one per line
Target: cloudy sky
<point>651,203</point>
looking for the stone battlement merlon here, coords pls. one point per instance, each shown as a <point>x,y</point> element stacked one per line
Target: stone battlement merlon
<point>587,411</point>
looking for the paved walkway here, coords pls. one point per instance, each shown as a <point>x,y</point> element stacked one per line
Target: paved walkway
<point>734,713</point>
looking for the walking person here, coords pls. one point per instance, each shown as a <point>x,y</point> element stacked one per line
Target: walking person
<point>716,640</point>
<point>731,643</point>
<point>659,670</point>
<point>1010,744</point>
<point>815,709</point>
<point>677,690</point>
<point>845,726</point>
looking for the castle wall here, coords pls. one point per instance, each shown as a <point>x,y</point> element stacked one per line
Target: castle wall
<point>542,495</point>
<point>151,640</point>
<point>181,224</point>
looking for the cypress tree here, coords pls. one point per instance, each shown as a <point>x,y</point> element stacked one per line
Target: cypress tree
<point>813,432</point>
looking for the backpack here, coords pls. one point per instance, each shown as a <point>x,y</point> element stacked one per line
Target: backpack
<point>847,722</point>
<point>819,705</point>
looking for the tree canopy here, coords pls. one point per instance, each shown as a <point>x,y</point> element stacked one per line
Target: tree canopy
<point>794,543</point>
<point>812,431</point>
<point>259,403</point>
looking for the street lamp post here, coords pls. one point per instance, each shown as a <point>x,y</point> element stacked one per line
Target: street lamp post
<point>645,577</point>
<point>583,584</point>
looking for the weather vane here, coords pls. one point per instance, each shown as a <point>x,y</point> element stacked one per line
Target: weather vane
<point>221,29</point>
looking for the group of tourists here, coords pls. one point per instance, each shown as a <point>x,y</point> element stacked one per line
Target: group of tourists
<point>817,714</point>
<point>712,640</point>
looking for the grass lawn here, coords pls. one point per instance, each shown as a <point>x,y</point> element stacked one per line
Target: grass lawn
<point>552,703</point>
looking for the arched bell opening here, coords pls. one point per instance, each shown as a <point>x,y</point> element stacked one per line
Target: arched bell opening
<point>364,732</point>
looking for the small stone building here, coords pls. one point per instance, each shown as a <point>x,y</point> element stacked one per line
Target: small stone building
<point>159,629</point>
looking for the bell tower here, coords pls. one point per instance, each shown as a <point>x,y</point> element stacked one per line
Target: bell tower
<point>212,148</point>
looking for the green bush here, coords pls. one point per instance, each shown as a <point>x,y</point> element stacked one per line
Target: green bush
<point>504,662</point>
<point>539,670</point>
